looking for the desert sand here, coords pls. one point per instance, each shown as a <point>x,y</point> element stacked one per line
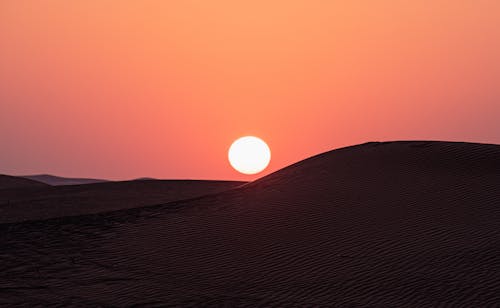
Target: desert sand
<point>13,182</point>
<point>402,224</point>
<point>36,202</point>
<point>58,180</point>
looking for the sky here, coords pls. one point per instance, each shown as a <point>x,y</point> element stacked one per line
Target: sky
<point>122,89</point>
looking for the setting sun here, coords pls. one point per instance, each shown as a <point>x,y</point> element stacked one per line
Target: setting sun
<point>249,155</point>
<point>139,134</point>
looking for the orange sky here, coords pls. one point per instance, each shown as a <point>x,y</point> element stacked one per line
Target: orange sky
<point>122,89</point>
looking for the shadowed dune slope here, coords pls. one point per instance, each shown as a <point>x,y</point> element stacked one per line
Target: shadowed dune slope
<point>44,202</point>
<point>57,180</point>
<point>11,182</point>
<point>379,224</point>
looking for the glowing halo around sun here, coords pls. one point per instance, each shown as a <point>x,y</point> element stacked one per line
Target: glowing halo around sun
<point>249,155</point>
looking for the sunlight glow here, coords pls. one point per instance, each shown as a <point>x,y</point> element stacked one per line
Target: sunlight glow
<point>249,155</point>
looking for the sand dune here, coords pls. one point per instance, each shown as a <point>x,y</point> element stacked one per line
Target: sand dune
<point>12,182</point>
<point>44,202</point>
<point>380,224</point>
<point>58,180</point>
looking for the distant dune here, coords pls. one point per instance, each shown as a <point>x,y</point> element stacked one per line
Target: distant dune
<point>405,224</point>
<point>44,202</point>
<point>10,182</point>
<point>57,180</point>
<point>144,179</point>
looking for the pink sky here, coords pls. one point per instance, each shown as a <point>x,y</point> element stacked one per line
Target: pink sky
<point>125,89</point>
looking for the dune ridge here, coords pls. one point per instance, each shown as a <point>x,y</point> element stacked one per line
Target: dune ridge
<point>378,224</point>
<point>12,182</point>
<point>45,202</point>
<point>59,180</point>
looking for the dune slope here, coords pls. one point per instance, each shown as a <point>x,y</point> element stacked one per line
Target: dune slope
<point>11,182</point>
<point>44,202</point>
<point>58,180</point>
<point>379,224</point>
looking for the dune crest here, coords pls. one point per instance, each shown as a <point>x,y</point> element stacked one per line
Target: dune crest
<point>12,182</point>
<point>379,224</point>
<point>58,180</point>
<point>43,202</point>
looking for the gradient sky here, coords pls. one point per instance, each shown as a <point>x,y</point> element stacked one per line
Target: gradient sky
<point>122,89</point>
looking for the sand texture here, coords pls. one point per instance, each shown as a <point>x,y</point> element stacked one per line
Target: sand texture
<point>43,201</point>
<point>399,224</point>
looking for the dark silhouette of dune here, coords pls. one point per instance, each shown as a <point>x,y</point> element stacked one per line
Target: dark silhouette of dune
<point>44,202</point>
<point>58,180</point>
<point>402,224</point>
<point>10,182</point>
<point>144,179</point>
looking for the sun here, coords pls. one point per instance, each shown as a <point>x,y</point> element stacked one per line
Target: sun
<point>249,155</point>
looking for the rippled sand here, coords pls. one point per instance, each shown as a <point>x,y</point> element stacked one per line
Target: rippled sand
<point>379,224</point>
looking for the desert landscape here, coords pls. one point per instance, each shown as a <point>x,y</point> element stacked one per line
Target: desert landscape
<point>381,224</point>
<point>249,153</point>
